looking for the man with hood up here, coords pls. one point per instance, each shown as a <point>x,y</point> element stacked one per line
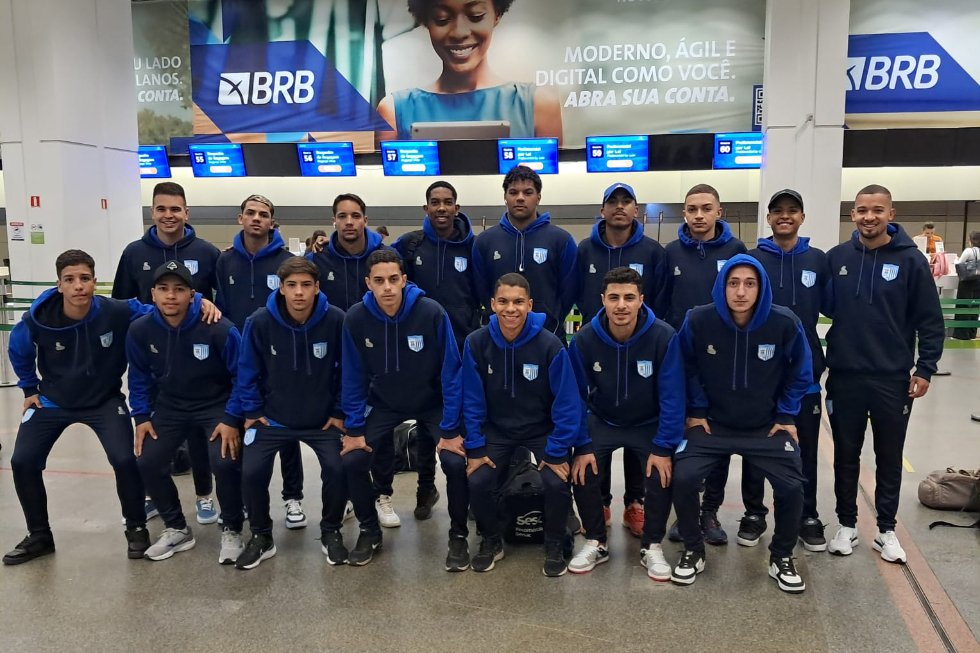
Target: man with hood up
<point>748,367</point>
<point>884,305</point>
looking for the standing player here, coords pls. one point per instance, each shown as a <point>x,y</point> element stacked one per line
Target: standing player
<point>526,242</point>
<point>181,386</point>
<point>799,281</point>
<point>618,240</point>
<point>519,390</point>
<point>289,374</point>
<point>748,367</point>
<point>394,340</point>
<point>884,305</point>
<point>704,242</point>
<point>246,275</point>
<point>631,373</point>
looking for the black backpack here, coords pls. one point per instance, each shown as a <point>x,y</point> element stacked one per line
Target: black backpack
<point>406,447</point>
<point>522,503</point>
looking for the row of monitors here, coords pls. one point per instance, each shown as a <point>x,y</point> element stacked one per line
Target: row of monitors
<point>422,158</point>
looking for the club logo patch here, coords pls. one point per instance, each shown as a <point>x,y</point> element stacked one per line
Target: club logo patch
<point>106,339</point>
<point>843,271</point>
<point>540,255</point>
<point>808,278</point>
<point>231,280</point>
<point>460,263</point>
<point>766,352</point>
<point>201,352</point>
<point>319,349</point>
<point>146,265</point>
<point>415,343</point>
<point>677,270</point>
<point>889,271</point>
<point>418,260</point>
<point>530,371</point>
<point>596,367</point>
<point>721,263</point>
<point>644,368</point>
<point>788,447</point>
<point>638,267</point>
<point>496,255</point>
<point>191,266</point>
<point>711,350</point>
<point>272,281</point>
<point>330,276</point>
<point>592,269</point>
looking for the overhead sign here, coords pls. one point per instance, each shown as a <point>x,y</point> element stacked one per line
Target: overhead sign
<point>617,153</point>
<point>538,154</point>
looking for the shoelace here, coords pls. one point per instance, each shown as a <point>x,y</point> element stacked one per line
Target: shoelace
<point>385,506</point>
<point>687,560</point>
<point>205,505</point>
<point>229,536</point>
<point>786,566</point>
<point>293,508</point>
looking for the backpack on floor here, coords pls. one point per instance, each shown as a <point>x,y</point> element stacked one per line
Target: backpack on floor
<point>522,503</point>
<point>406,447</point>
<point>952,489</point>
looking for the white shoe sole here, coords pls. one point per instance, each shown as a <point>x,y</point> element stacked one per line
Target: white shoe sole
<point>496,558</point>
<point>206,520</point>
<point>789,589</point>
<point>374,549</point>
<point>841,552</point>
<point>296,525</point>
<point>899,561</point>
<point>585,570</point>
<point>744,542</point>
<point>689,580</point>
<point>392,523</point>
<point>265,556</point>
<point>815,548</point>
<point>229,560</point>
<point>661,577</point>
<point>183,546</point>
<point>331,561</point>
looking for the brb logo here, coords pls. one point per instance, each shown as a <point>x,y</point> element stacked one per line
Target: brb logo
<point>263,87</point>
<point>901,71</point>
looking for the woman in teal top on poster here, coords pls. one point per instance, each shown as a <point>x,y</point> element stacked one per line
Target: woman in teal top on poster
<point>467,89</point>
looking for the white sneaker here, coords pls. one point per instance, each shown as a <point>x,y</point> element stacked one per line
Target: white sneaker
<point>348,511</point>
<point>386,512</point>
<point>171,541</point>
<point>231,547</point>
<point>844,541</point>
<point>891,550</point>
<point>592,554</point>
<point>657,566</point>
<point>295,517</point>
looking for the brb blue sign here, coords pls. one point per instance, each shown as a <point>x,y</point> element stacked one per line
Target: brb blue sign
<point>901,73</point>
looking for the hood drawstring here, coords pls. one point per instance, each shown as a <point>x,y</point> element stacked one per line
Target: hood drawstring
<point>874,264</point>
<point>346,284</point>
<point>745,363</point>
<point>251,263</point>
<point>509,385</point>
<point>295,355</point>
<point>700,248</point>
<point>519,246</point>
<point>618,375</point>
<point>306,344</point>
<point>170,352</point>
<point>735,361</point>
<point>386,346</point>
<point>626,374</point>
<point>398,361</point>
<point>792,263</point>
<point>782,257</point>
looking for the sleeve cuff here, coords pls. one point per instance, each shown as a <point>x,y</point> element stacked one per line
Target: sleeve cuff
<point>697,413</point>
<point>665,452</point>
<point>356,432</point>
<point>923,374</point>
<point>555,460</point>
<point>449,435</point>
<point>141,419</point>
<point>30,392</point>
<point>254,414</point>
<point>232,421</point>
<point>476,452</point>
<point>785,418</point>
<point>585,449</point>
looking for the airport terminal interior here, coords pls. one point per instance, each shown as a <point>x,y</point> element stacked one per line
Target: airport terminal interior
<point>83,177</point>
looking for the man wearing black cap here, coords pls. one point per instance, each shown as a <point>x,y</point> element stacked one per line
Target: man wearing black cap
<point>800,281</point>
<point>618,240</point>
<point>182,385</point>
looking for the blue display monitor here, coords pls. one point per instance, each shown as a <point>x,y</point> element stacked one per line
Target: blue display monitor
<point>538,154</point>
<point>217,160</point>
<point>410,158</point>
<point>153,162</point>
<point>617,153</point>
<point>738,150</point>
<point>326,159</point>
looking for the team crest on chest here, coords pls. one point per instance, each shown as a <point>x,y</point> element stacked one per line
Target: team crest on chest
<point>146,265</point>
<point>272,281</point>
<point>191,266</point>
<point>106,339</point>
<point>808,278</point>
<point>644,368</point>
<point>319,349</point>
<point>540,255</point>
<point>460,263</point>
<point>201,352</point>
<point>889,271</point>
<point>530,371</point>
<point>596,367</point>
<point>330,276</point>
<point>766,352</point>
<point>415,343</point>
<point>638,267</point>
<point>721,263</point>
<point>418,260</point>
<point>592,269</point>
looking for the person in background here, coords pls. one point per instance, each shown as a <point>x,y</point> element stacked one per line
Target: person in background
<point>929,231</point>
<point>316,242</point>
<point>383,232</point>
<point>968,289</point>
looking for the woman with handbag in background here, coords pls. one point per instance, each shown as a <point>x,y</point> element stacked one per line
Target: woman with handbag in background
<point>968,270</point>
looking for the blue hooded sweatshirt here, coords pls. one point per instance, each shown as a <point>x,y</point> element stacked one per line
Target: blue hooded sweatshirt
<point>596,258</point>
<point>618,380</point>
<point>341,273</point>
<point>884,299</point>
<point>800,281</point>
<point>289,373</point>
<point>692,266</point>
<point>134,276</point>
<point>81,362</point>
<point>520,390</point>
<point>443,269</point>
<point>245,281</point>
<point>543,253</point>
<point>185,369</point>
<point>406,364</point>
<point>745,379</point>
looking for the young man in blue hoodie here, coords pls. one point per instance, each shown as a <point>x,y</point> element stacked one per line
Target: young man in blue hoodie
<point>394,340</point>
<point>799,279</point>
<point>76,341</point>
<point>519,390</point>
<point>631,375</point>
<point>246,276</point>
<point>884,305</point>
<point>181,386</point>
<point>618,240</point>
<point>526,242</point>
<point>289,374</point>
<point>748,367</point>
<point>704,242</point>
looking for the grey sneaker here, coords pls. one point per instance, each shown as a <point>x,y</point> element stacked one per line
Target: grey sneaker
<point>231,546</point>
<point>171,541</point>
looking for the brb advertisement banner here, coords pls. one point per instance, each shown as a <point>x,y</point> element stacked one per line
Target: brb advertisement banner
<point>901,76</point>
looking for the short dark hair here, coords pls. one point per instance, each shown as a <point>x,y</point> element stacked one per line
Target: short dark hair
<point>929,225</point>
<point>697,189</point>
<point>297,265</point>
<point>73,257</point>
<point>261,199</point>
<point>170,188</point>
<point>522,173</point>
<point>439,184</point>
<point>386,255</point>
<point>421,9</point>
<point>874,189</point>
<point>622,275</point>
<point>975,238</point>
<point>514,280</point>
<point>317,233</point>
<point>349,197</point>
<point>383,230</point>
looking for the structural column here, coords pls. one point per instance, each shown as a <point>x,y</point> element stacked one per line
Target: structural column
<point>68,134</point>
<point>803,110</point>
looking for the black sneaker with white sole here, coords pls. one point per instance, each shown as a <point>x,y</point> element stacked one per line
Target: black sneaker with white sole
<point>33,546</point>
<point>260,547</point>
<point>750,530</point>
<point>425,498</point>
<point>688,567</point>
<point>783,571</point>
<point>458,558</point>
<point>332,545</point>
<point>367,543</point>
<point>811,535</point>
<point>138,541</point>
<point>555,563</point>
<point>714,534</point>
<point>491,550</point>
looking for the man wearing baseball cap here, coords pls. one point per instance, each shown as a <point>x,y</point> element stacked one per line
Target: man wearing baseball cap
<point>618,240</point>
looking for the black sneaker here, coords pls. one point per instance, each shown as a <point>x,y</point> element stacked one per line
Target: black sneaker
<point>811,535</point>
<point>783,571</point>
<point>33,546</point>
<point>139,541</point>
<point>491,550</point>
<point>260,547</point>
<point>690,565</point>
<point>332,545</point>
<point>674,533</point>
<point>425,498</point>
<point>750,530</point>
<point>711,527</point>
<point>367,543</point>
<point>554,559</point>
<point>458,558</point>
